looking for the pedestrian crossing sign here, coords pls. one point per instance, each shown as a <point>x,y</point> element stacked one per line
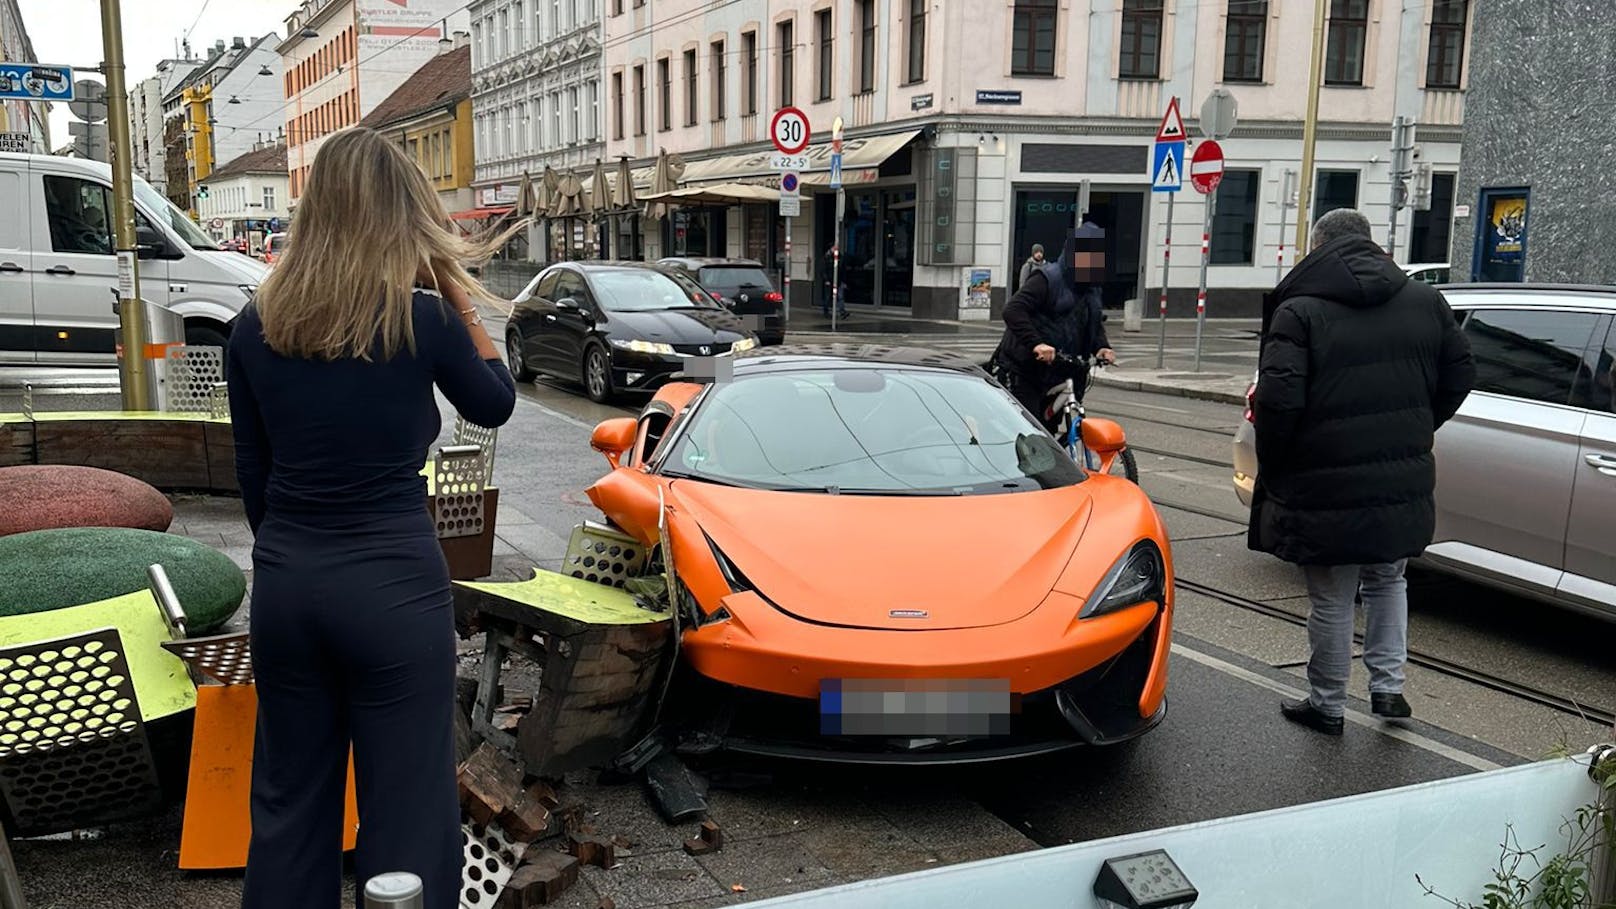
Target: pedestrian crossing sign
<point>1167,167</point>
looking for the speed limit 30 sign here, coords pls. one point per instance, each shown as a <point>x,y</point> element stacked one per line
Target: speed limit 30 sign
<point>789,131</point>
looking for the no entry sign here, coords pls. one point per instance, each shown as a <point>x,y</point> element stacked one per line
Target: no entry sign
<point>1206,166</point>
<point>789,130</point>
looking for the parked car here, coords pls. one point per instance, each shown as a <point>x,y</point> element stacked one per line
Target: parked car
<point>901,469</point>
<point>616,327</point>
<point>58,272</point>
<point>744,287</point>
<point>1430,274</point>
<point>1526,471</point>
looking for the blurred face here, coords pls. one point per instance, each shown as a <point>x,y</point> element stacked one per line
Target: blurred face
<point>1089,261</point>
<point>1038,255</point>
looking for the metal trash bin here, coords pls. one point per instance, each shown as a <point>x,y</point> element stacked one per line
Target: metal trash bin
<point>394,890</point>
<point>164,327</point>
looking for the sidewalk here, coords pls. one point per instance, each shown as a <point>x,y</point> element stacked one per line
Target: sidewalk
<point>1228,347</point>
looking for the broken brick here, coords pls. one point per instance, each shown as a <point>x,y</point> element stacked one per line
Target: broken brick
<point>698,846</point>
<point>489,784</point>
<point>592,850</point>
<point>528,821</point>
<point>713,834</point>
<point>541,880</point>
<point>545,794</point>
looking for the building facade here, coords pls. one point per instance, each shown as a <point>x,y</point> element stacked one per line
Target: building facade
<point>430,116</point>
<point>27,118</point>
<point>1530,180</point>
<point>973,128</point>
<point>226,105</point>
<point>246,199</point>
<point>147,119</point>
<point>342,58</point>
<point>536,92</point>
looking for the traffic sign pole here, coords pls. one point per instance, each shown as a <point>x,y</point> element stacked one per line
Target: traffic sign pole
<point>1167,176</point>
<point>1167,258</point>
<point>134,376</point>
<point>841,211</point>
<point>1206,172</point>
<point>1206,258</point>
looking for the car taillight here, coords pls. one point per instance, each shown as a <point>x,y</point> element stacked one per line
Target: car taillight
<point>1251,400</point>
<point>774,296</point>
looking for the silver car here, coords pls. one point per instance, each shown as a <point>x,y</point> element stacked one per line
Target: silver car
<point>1526,471</point>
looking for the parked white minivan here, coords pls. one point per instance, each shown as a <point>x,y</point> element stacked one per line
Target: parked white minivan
<point>58,273</point>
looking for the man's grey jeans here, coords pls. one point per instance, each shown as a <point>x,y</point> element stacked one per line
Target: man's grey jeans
<point>1333,590</point>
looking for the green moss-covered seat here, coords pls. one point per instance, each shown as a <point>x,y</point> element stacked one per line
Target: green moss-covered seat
<point>54,569</point>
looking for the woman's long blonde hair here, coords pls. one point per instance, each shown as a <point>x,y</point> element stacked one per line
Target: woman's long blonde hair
<point>367,225</point>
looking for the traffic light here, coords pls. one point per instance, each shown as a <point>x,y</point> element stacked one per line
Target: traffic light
<point>202,191</point>
<point>1422,188</point>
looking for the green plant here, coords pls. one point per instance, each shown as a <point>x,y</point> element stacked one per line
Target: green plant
<point>1565,880</point>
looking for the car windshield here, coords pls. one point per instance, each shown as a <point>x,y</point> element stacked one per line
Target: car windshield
<point>732,279</point>
<point>178,221</point>
<point>638,289</point>
<point>869,430</point>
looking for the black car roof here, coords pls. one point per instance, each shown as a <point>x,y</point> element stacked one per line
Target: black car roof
<point>787,357</point>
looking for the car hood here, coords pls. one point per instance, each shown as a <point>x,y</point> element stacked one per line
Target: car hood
<point>679,326</point>
<point>245,269</point>
<point>908,563</point>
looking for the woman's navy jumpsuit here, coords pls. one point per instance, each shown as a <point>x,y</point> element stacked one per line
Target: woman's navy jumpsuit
<point>352,628</point>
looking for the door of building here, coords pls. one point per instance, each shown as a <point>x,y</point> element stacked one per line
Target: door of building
<point>1044,216</point>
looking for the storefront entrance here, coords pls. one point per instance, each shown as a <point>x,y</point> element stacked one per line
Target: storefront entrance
<point>690,231</point>
<point>1045,215</point>
<point>878,245</point>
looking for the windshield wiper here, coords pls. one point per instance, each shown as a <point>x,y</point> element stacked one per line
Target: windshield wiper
<point>894,492</point>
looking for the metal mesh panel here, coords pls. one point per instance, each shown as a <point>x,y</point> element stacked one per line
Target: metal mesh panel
<point>73,751</point>
<point>489,859</point>
<point>226,658</point>
<point>605,556</point>
<point>192,373</point>
<point>459,473</point>
<point>219,401</point>
<point>469,433</point>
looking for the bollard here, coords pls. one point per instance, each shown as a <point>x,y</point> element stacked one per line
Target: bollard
<point>1133,316</point>
<point>394,890</point>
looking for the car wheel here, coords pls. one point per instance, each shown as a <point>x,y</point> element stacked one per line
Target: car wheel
<point>513,356</point>
<point>204,336</point>
<point>598,375</point>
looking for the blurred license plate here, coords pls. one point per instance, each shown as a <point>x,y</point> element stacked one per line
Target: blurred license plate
<point>915,707</point>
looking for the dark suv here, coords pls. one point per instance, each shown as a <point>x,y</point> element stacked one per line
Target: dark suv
<point>743,287</point>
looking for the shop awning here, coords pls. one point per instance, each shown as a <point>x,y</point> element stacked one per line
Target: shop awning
<point>720,194</point>
<point>860,159</point>
<point>480,214</point>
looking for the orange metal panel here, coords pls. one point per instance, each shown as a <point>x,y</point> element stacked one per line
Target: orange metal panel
<point>218,819</point>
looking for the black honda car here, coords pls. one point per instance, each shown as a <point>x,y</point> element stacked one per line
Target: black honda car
<point>743,287</point>
<point>616,327</point>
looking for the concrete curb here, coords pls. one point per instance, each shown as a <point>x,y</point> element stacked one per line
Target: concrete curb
<point>1152,385</point>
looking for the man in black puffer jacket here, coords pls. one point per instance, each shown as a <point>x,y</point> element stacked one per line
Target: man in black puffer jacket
<point>1057,309</point>
<point>1360,367</point>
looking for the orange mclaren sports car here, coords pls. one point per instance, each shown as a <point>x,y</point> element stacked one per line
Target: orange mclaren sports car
<point>876,555</point>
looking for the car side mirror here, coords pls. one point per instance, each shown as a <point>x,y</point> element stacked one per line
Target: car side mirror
<point>614,438</point>
<point>149,244</point>
<point>567,303</point>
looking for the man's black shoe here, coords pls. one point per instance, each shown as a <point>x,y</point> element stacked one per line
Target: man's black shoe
<point>1389,705</point>
<point>1303,713</point>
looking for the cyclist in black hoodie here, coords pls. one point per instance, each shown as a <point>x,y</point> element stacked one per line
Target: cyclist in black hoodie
<point>1057,310</point>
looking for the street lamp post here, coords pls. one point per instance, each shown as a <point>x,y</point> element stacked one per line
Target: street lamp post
<point>134,376</point>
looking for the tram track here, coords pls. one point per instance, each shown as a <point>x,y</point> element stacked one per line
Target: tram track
<point>1441,665</point>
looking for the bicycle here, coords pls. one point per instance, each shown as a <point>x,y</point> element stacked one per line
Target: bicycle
<point>1062,402</point>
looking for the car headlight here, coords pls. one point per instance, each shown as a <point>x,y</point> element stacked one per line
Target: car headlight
<point>743,344</point>
<point>638,346</point>
<point>1138,577</point>
<point>248,289</point>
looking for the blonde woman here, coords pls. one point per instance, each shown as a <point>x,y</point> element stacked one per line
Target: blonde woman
<point>331,375</point>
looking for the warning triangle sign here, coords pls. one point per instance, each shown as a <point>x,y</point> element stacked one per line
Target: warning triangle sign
<point>1172,125</point>
<point>1169,175</point>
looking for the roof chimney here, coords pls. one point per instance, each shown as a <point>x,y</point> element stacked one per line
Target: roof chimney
<point>239,43</point>
<point>462,39</point>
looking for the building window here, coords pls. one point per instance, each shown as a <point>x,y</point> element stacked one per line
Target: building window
<point>1335,189</point>
<point>749,45</point>
<point>665,90</point>
<point>1141,39</point>
<point>917,40</point>
<point>1349,28</point>
<point>504,33</point>
<point>1243,41</point>
<point>690,88</point>
<point>575,132</point>
<point>557,137</point>
<point>720,72</point>
<point>592,124</point>
<point>617,7</point>
<point>788,63</point>
<point>617,102</point>
<point>1032,51</point>
<point>827,54</point>
<point>1446,57</point>
<point>1234,221</point>
<point>521,25</point>
<point>1432,229</point>
<point>866,11</point>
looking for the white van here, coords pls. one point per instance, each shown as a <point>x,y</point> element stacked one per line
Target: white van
<point>58,273</point>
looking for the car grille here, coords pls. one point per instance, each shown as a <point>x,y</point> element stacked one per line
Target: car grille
<point>702,350</point>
